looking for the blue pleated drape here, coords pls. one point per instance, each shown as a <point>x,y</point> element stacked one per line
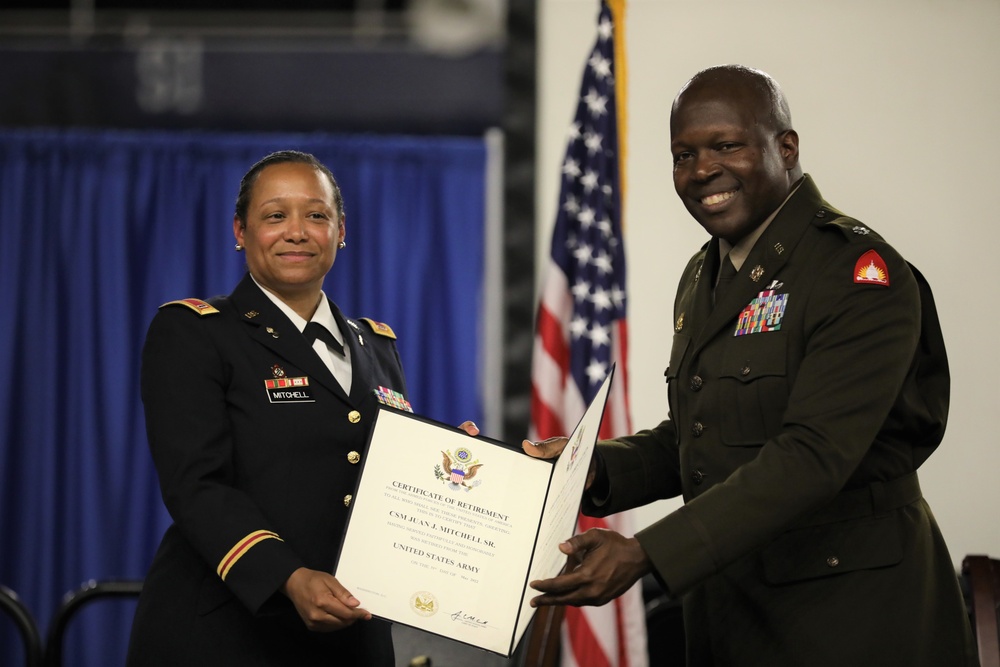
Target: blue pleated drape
<point>98,229</point>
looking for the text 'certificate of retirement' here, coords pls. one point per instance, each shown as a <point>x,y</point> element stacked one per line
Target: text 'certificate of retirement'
<point>446,530</point>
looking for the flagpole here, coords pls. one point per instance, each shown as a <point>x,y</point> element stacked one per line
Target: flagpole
<point>617,8</point>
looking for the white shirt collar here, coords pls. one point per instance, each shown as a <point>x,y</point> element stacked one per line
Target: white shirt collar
<point>323,314</point>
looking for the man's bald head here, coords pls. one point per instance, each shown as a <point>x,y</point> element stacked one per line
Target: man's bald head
<point>745,86</point>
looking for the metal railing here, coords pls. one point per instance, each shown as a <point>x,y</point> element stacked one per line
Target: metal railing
<point>26,626</point>
<point>74,601</point>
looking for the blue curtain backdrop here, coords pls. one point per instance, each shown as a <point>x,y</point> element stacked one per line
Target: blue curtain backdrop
<point>98,230</point>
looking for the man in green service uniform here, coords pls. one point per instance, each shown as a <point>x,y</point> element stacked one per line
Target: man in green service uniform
<point>807,383</point>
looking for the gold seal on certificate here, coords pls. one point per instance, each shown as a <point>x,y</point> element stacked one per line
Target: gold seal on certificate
<point>446,530</point>
<point>424,603</point>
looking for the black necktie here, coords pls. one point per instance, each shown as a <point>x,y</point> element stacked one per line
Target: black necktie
<point>726,274</point>
<point>316,330</point>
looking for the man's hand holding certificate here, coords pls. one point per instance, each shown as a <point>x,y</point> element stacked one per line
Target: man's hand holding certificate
<point>447,530</point>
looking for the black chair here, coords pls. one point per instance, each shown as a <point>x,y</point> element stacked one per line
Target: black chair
<point>664,625</point>
<point>26,626</point>
<point>982,576</point>
<point>71,604</point>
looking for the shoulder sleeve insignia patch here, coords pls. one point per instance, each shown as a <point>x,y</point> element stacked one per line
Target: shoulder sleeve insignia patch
<point>871,270</point>
<point>380,328</point>
<point>197,305</point>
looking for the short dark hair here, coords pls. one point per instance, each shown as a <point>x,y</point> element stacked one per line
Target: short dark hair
<point>279,157</point>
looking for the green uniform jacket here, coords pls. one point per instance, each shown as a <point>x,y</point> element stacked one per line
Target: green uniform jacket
<point>801,405</point>
<point>258,480</point>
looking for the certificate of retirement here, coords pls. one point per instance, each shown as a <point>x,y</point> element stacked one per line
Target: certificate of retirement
<point>446,530</point>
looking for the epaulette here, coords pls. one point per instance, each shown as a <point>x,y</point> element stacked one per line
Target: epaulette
<point>380,328</point>
<point>197,305</point>
<point>853,230</point>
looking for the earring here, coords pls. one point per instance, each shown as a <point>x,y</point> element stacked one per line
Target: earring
<point>342,245</point>
<point>239,247</point>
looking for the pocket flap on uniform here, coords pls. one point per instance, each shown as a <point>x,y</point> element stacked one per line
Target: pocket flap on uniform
<point>755,356</point>
<point>831,549</point>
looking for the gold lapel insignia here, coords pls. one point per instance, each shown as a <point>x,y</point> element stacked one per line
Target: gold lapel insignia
<point>756,273</point>
<point>778,248</point>
<point>251,314</point>
<point>680,323</point>
<point>274,334</point>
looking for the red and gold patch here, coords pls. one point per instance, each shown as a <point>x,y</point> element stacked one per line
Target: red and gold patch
<point>871,270</point>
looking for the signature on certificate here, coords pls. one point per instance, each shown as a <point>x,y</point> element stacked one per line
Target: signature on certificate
<point>468,618</point>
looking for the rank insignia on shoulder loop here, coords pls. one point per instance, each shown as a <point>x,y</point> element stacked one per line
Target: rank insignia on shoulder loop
<point>289,390</point>
<point>762,314</point>
<point>392,398</point>
<point>870,269</point>
<point>380,328</point>
<point>197,305</point>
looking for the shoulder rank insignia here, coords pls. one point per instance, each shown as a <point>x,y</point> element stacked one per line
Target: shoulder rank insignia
<point>853,230</point>
<point>380,328</point>
<point>871,270</point>
<point>197,305</point>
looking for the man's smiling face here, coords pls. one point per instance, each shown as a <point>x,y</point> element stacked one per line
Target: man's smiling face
<point>732,166</point>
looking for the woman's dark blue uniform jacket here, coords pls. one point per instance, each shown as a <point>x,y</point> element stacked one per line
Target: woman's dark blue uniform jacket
<point>257,449</point>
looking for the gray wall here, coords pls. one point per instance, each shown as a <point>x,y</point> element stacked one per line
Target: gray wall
<point>896,103</point>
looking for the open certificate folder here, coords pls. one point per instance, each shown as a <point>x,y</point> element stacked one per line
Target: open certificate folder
<point>446,530</point>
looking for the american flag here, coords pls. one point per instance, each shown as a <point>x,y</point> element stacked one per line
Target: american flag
<point>581,326</point>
